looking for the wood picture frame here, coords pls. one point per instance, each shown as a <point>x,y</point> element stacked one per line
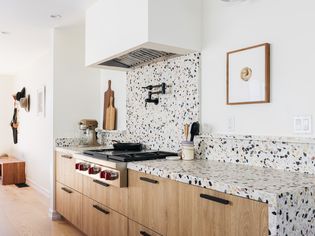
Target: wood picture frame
<point>244,84</point>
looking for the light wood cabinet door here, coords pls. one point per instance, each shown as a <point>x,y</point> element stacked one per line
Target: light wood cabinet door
<point>69,204</point>
<point>100,220</point>
<point>203,212</point>
<point>110,196</point>
<point>136,229</point>
<point>66,173</point>
<point>147,201</point>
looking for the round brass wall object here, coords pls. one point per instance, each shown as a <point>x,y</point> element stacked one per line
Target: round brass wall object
<point>246,73</point>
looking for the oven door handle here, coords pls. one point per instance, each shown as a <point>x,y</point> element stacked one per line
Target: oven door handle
<point>100,183</point>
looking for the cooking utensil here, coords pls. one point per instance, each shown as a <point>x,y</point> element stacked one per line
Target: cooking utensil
<point>194,130</point>
<point>127,146</point>
<point>109,93</point>
<point>110,116</point>
<point>186,131</point>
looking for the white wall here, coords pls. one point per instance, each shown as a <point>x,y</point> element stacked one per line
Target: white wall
<point>288,26</point>
<point>6,113</point>
<point>35,137</point>
<point>119,86</point>
<point>76,88</point>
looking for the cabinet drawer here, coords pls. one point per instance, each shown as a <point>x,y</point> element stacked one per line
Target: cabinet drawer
<point>100,220</point>
<point>205,212</point>
<point>147,201</point>
<point>69,204</point>
<point>110,196</point>
<point>136,229</point>
<point>65,171</point>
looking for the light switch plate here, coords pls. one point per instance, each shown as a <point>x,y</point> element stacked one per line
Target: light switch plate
<point>303,124</point>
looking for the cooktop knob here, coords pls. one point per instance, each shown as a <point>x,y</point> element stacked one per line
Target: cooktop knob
<point>108,175</point>
<point>77,166</point>
<point>84,167</point>
<point>94,170</point>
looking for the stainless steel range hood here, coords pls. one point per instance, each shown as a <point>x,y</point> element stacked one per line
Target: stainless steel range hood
<point>138,57</point>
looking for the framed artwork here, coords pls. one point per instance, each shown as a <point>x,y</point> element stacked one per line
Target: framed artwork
<point>41,101</point>
<point>248,75</point>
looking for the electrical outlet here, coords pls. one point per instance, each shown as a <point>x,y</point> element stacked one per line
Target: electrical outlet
<point>231,124</point>
<point>302,124</point>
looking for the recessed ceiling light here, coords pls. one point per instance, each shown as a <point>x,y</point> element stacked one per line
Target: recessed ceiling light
<point>4,32</point>
<point>55,16</point>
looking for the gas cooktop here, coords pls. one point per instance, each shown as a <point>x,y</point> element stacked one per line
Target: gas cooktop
<point>128,156</point>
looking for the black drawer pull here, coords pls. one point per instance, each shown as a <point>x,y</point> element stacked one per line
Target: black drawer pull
<point>152,181</point>
<point>101,209</point>
<point>215,199</point>
<point>66,156</point>
<point>100,182</point>
<point>66,190</point>
<point>144,233</point>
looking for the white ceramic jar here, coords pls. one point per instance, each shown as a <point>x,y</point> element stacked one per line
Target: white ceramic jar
<point>188,151</point>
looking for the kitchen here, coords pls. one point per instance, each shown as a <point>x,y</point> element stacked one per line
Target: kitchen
<point>253,166</point>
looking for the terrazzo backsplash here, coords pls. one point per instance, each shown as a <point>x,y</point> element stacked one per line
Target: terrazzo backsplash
<point>161,126</point>
<point>292,154</point>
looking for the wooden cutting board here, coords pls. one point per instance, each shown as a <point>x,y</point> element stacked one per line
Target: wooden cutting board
<point>109,93</point>
<point>110,115</point>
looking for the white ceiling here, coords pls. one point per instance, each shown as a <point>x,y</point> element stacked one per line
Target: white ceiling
<point>30,24</point>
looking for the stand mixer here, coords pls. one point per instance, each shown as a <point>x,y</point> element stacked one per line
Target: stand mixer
<point>89,126</point>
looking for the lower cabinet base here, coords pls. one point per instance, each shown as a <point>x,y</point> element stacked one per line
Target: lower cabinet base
<point>100,220</point>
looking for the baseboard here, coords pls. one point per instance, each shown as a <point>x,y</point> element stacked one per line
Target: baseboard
<point>38,188</point>
<point>54,215</point>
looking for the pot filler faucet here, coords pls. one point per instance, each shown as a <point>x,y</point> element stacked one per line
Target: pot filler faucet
<point>150,93</point>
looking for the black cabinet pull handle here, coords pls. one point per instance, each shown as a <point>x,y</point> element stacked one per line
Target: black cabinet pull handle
<point>101,209</point>
<point>144,233</point>
<point>100,182</point>
<point>152,181</point>
<point>215,199</point>
<point>66,190</point>
<point>66,156</point>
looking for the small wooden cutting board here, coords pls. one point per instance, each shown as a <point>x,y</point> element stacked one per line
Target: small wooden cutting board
<point>110,115</point>
<point>109,93</point>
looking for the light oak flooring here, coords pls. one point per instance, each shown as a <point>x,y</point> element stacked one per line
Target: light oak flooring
<point>23,211</point>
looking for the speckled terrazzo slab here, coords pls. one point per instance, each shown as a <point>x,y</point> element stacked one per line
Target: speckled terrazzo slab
<point>76,149</point>
<point>290,196</point>
<point>286,153</point>
<point>161,126</point>
<point>67,142</point>
<point>106,137</point>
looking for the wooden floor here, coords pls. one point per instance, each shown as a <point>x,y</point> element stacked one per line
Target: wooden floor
<point>23,211</point>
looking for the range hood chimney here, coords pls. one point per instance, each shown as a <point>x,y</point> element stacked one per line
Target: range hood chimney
<point>123,34</point>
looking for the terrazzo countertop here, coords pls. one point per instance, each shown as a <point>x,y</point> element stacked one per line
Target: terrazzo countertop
<point>78,149</point>
<point>290,196</point>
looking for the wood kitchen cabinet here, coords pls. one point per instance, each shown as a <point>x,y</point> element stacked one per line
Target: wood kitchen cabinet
<point>69,204</point>
<point>100,220</point>
<point>203,212</point>
<point>136,229</point>
<point>148,201</point>
<point>65,171</point>
<point>110,196</point>
<point>172,208</point>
